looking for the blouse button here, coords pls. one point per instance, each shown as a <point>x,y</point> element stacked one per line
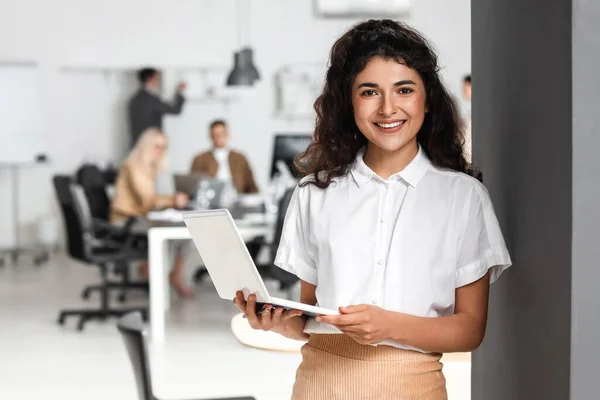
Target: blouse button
<point>380,262</point>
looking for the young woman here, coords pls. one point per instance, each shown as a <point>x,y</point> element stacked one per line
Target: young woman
<point>389,227</point>
<point>135,194</point>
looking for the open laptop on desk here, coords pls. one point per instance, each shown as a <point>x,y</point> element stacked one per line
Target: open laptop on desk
<point>228,262</point>
<point>187,183</point>
<point>190,184</point>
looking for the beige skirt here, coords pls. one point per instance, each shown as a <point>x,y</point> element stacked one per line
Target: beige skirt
<point>336,367</point>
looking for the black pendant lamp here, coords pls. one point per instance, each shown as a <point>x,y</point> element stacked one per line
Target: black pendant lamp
<point>244,72</point>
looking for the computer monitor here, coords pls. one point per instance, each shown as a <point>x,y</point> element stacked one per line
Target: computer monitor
<point>286,147</point>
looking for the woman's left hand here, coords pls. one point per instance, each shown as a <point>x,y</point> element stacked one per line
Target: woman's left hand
<point>364,323</point>
<point>181,200</point>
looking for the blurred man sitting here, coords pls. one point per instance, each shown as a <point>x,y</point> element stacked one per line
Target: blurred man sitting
<point>223,163</point>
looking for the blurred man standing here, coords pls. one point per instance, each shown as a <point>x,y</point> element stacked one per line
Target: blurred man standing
<point>467,116</point>
<point>467,87</point>
<point>146,108</point>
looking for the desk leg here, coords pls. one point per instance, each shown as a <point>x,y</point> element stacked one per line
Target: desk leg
<point>167,259</point>
<point>157,249</point>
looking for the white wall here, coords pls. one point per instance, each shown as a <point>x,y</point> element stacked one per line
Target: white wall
<point>82,107</point>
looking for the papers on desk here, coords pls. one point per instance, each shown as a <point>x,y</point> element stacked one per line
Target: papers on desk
<point>173,215</point>
<point>250,200</point>
<point>169,214</point>
<point>251,219</point>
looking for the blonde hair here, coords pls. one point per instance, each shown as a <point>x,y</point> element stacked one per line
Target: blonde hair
<point>141,155</point>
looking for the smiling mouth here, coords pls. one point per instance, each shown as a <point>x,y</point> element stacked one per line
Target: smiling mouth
<point>390,125</point>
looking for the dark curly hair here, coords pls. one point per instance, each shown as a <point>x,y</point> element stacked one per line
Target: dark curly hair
<point>337,139</point>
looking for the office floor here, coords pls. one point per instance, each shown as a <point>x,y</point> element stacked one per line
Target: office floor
<point>201,358</point>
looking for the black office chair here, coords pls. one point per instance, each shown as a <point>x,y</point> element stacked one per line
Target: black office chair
<point>95,187</point>
<point>134,335</point>
<point>83,245</point>
<point>286,280</point>
<point>94,184</point>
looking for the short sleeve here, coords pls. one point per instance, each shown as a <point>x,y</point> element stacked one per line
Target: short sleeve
<point>483,248</point>
<point>294,253</point>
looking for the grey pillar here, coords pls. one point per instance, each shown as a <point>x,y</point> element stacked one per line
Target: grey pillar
<point>585,303</point>
<point>536,90</point>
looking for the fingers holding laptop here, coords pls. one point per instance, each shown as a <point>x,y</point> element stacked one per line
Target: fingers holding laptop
<point>268,317</point>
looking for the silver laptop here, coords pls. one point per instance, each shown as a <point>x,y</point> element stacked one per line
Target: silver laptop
<point>228,262</point>
<point>188,183</point>
<point>192,183</point>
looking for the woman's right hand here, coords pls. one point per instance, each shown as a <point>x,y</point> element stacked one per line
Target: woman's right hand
<point>271,319</point>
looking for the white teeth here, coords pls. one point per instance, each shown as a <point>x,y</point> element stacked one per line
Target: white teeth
<point>392,125</point>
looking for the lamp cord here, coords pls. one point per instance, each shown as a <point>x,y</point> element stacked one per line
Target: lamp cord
<point>240,22</point>
<point>243,24</point>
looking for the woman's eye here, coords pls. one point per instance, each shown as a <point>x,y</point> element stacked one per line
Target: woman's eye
<point>369,93</point>
<point>405,90</point>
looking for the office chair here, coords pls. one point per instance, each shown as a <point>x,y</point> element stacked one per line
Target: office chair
<point>285,279</point>
<point>94,184</point>
<point>134,335</point>
<point>83,245</point>
<point>95,187</point>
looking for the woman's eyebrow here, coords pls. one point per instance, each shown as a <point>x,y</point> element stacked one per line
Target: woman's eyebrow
<point>376,86</point>
<point>404,82</point>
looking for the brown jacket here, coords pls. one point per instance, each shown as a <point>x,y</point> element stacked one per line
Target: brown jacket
<point>241,174</point>
<point>135,194</point>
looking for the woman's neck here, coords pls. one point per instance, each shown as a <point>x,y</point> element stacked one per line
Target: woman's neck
<point>386,163</point>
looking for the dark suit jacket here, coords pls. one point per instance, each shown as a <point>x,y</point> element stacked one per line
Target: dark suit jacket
<point>146,111</point>
<point>241,174</point>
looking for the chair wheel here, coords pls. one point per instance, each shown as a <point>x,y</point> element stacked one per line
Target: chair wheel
<point>122,297</point>
<point>81,324</point>
<point>85,294</point>
<point>61,319</point>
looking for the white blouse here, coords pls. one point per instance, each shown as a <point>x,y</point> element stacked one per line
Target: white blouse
<point>404,243</point>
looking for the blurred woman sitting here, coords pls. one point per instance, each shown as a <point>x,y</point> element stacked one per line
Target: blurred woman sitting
<point>135,195</point>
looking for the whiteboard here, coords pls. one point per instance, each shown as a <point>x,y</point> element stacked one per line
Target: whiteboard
<point>22,131</point>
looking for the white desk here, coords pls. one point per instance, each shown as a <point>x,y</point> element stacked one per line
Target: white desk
<point>159,260</point>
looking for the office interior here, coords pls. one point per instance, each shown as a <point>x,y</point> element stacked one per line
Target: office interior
<point>76,64</point>
<point>87,56</point>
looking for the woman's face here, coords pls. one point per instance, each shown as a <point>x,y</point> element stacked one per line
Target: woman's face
<point>389,104</point>
<point>159,148</point>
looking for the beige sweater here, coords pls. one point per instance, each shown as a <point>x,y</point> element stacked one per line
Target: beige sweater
<point>135,193</point>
